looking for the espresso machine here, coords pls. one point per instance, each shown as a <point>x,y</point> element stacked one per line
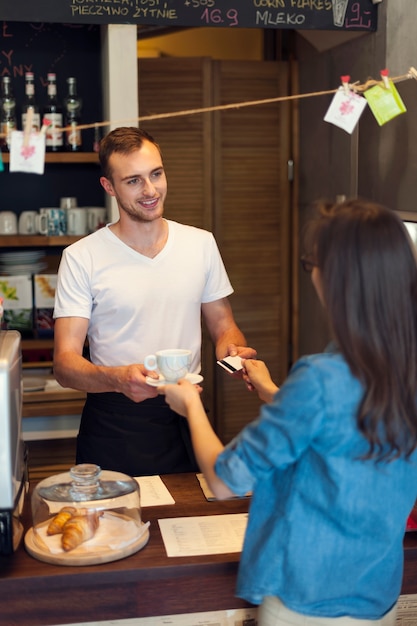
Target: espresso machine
<point>13,456</point>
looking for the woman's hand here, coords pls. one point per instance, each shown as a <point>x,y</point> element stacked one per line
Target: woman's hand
<point>257,374</point>
<point>182,396</point>
<point>244,352</point>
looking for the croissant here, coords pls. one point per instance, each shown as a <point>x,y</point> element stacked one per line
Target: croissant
<point>78,529</point>
<point>57,523</point>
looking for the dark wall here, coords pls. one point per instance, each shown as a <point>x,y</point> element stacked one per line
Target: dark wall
<point>332,162</point>
<point>23,192</point>
<point>378,162</point>
<point>67,50</point>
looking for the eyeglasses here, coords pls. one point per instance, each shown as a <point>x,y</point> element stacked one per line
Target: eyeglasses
<point>308,264</point>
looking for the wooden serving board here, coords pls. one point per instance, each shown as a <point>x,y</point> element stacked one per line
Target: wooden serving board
<point>39,550</point>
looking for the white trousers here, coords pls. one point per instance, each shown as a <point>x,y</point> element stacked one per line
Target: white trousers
<point>273,613</point>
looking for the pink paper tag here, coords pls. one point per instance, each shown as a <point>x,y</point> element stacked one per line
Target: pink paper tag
<point>27,156</point>
<point>345,110</point>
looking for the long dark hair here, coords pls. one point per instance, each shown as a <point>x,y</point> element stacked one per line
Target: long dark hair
<point>368,271</point>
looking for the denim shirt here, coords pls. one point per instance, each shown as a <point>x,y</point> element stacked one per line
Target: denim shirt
<point>325,529</point>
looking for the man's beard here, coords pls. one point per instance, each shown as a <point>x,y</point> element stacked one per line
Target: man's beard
<point>140,216</point>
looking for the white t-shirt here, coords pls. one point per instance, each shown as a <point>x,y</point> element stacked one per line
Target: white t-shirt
<point>137,305</point>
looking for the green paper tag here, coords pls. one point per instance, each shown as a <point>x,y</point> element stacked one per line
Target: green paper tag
<point>1,163</point>
<point>385,103</point>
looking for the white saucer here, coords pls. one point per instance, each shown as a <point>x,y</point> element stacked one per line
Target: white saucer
<point>193,378</point>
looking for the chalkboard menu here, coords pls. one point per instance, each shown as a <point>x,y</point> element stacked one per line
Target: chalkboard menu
<point>284,14</point>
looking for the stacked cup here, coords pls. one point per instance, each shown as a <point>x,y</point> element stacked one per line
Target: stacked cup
<point>8,223</point>
<point>29,223</point>
<point>75,215</point>
<point>67,219</point>
<point>96,218</point>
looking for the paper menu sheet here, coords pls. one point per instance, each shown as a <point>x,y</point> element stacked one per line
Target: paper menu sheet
<point>207,534</point>
<point>229,617</point>
<point>209,495</point>
<point>407,610</point>
<point>153,491</point>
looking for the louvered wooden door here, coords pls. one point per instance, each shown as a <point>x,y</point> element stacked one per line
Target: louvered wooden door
<point>227,172</point>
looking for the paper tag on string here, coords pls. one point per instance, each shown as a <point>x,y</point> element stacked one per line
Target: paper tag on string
<point>385,103</point>
<point>345,110</point>
<point>27,156</point>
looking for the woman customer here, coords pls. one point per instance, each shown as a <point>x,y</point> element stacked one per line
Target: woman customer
<point>331,459</point>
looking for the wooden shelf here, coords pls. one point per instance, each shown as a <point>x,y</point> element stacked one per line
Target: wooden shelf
<point>30,365</point>
<point>37,241</point>
<point>63,157</point>
<point>38,343</point>
<point>51,403</point>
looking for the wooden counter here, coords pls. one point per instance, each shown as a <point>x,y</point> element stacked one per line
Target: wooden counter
<point>50,403</point>
<point>147,583</point>
<point>409,585</point>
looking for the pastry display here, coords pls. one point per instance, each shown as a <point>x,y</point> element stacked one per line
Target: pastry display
<point>86,516</point>
<point>57,523</point>
<point>76,526</point>
<point>78,529</point>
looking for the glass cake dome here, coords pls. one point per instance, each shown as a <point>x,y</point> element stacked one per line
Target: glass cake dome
<point>86,516</point>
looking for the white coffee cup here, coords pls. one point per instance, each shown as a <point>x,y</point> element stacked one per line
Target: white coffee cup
<point>173,364</point>
<point>28,224</point>
<point>8,223</point>
<point>67,202</point>
<point>42,223</point>
<point>76,221</point>
<point>96,218</point>
<point>52,221</point>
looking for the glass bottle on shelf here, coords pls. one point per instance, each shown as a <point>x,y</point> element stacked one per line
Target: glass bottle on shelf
<point>30,101</point>
<point>97,137</point>
<point>73,104</point>
<point>7,113</point>
<point>53,113</point>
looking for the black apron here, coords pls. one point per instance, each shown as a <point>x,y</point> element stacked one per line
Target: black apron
<point>136,438</point>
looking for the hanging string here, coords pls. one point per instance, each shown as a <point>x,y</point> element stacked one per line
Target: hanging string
<point>357,88</point>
